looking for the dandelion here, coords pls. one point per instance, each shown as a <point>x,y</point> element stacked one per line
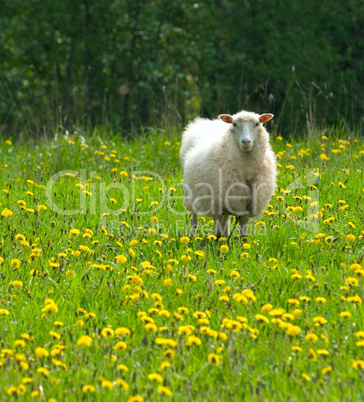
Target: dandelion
<point>351,281</point>
<point>122,384</point>
<point>50,308</point>
<point>167,282</point>
<point>106,384</point>
<point>12,391</point>
<point>326,370</point>
<point>306,377</point>
<point>155,377</point>
<point>165,341</point>
<point>193,340</point>
<point>358,364</point>
<point>293,330</point>
<point>277,312</point>
<point>6,213</point>
<point>224,249</point>
<point>15,263</point>
<point>16,284</point>
<point>355,299</point>
<point>54,334</point>
<point>88,389</point>
<point>84,340</point>
<point>320,320</point>
<point>43,371</point>
<point>120,259</point>
<point>107,333</point>
<point>200,253</point>
<point>136,398</point>
<point>320,300</point>
<point>184,240</point>
<point>122,367</point>
<point>311,337</point>
<point>350,237</point>
<point>74,232</point>
<point>164,390</point>
<point>41,352</point>
<point>355,267</point>
<point>262,318</point>
<point>214,359</point>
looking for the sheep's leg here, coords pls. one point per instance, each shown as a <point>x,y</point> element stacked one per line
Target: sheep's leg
<point>194,224</point>
<point>221,226</point>
<point>243,222</point>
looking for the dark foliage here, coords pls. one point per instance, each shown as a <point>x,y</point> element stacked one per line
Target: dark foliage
<point>127,63</point>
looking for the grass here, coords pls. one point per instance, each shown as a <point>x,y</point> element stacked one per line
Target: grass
<point>97,245</point>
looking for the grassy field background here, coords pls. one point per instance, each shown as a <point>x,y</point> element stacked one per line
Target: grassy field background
<point>103,295</point>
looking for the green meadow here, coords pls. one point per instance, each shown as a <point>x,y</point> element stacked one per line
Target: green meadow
<point>105,296</point>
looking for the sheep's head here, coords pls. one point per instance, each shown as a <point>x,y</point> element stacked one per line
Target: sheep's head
<point>245,127</point>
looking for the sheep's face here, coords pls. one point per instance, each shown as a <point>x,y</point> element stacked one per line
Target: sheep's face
<point>245,128</point>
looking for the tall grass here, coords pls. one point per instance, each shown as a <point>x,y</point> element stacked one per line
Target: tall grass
<point>198,315</point>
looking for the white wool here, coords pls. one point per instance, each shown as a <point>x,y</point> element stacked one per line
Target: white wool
<point>222,175</point>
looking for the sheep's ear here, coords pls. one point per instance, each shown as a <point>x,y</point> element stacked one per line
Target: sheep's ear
<point>226,118</point>
<point>263,118</point>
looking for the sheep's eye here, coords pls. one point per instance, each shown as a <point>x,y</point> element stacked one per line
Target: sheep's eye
<point>235,125</point>
<point>256,124</point>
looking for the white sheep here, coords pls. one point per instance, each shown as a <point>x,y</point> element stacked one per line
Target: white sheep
<point>228,169</point>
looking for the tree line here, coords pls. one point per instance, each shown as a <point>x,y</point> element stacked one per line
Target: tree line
<point>132,63</point>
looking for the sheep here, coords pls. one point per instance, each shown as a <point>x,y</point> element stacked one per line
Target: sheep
<point>227,170</point>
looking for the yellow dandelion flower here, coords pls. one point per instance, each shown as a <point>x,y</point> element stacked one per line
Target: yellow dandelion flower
<point>277,312</point>
<point>120,259</point>
<point>311,337</point>
<point>323,352</point>
<point>214,359</point>
<point>106,384</point>
<point>306,377</point>
<point>320,320</point>
<point>358,364</point>
<point>320,300</point>
<point>193,340</point>
<point>74,232</point>
<point>107,333</point>
<point>262,318</point>
<point>224,249</point>
<point>122,384</point>
<point>15,263</point>
<point>41,352</point>
<point>84,340</point>
<point>326,370</point>
<point>305,299</point>
<point>155,377</point>
<point>184,240</point>
<point>136,398</point>
<point>6,213</point>
<point>350,237</point>
<point>164,390</point>
<point>43,371</point>
<point>293,330</point>
<point>16,284</point>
